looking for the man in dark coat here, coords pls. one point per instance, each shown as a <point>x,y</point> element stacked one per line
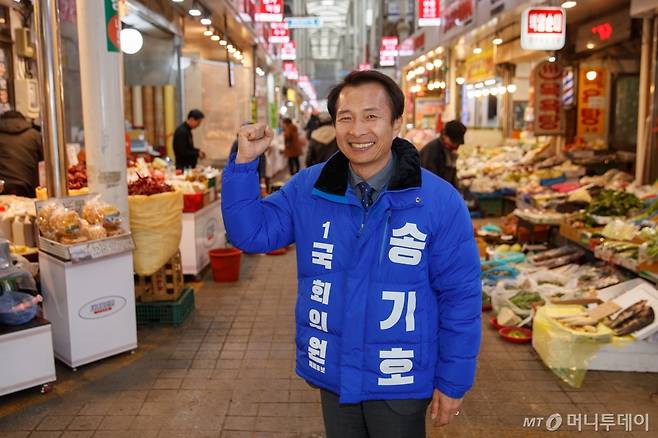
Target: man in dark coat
<point>186,154</point>
<point>440,155</point>
<point>20,152</point>
<point>323,142</point>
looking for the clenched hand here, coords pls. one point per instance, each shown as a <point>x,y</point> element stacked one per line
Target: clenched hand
<point>253,140</point>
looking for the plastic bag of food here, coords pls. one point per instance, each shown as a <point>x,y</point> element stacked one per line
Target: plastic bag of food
<point>566,352</point>
<point>17,308</point>
<point>43,220</point>
<point>156,226</point>
<point>66,225</point>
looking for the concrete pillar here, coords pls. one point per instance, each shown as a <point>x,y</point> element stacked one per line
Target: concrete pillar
<point>101,80</point>
<point>52,95</point>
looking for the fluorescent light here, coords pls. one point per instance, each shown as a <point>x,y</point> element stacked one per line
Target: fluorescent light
<point>420,70</point>
<point>194,12</point>
<point>206,21</point>
<point>438,63</point>
<point>423,58</point>
<point>591,75</point>
<point>477,50</point>
<point>178,1</point>
<point>551,59</point>
<point>489,82</point>
<point>429,66</point>
<point>460,80</point>
<point>511,88</point>
<point>223,42</point>
<point>215,37</point>
<point>231,49</point>
<point>569,4</point>
<point>502,90</point>
<point>208,32</point>
<point>497,41</point>
<point>430,86</point>
<point>590,46</point>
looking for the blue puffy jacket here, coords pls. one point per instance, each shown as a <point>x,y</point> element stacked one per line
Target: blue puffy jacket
<point>389,299</point>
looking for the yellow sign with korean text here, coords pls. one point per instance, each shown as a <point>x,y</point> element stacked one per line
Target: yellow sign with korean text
<point>593,103</point>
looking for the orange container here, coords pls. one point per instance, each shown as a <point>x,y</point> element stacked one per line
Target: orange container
<point>225,264</point>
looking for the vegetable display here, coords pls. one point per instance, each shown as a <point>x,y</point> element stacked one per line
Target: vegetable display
<point>525,299</point>
<point>614,203</point>
<point>147,186</point>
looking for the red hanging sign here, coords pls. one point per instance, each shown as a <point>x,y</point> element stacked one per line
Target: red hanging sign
<point>288,51</point>
<point>279,33</point>
<point>429,13</point>
<point>290,71</point>
<point>543,28</point>
<point>270,11</point>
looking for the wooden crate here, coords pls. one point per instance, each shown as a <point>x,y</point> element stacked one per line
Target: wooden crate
<point>164,285</point>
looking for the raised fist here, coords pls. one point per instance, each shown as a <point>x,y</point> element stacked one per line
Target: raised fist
<point>253,140</point>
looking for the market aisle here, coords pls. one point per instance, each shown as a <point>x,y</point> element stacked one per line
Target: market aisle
<point>228,372</point>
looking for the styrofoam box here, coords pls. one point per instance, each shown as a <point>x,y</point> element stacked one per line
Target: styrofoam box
<point>638,356</point>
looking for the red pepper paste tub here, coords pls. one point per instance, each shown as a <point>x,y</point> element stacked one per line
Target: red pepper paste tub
<point>225,264</point>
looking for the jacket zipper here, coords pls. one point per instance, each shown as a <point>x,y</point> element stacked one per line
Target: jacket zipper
<point>383,245</point>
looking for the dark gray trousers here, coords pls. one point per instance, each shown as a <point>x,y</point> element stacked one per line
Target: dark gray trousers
<point>374,419</point>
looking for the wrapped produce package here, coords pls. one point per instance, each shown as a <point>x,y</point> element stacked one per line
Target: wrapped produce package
<point>566,352</point>
<point>156,226</point>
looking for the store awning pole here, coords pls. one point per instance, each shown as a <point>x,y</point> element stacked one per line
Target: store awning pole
<point>101,82</point>
<point>645,68</point>
<point>52,95</point>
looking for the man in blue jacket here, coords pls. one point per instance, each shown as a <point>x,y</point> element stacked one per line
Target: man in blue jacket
<point>389,298</point>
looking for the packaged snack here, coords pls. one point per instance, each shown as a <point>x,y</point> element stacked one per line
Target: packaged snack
<point>66,225</point>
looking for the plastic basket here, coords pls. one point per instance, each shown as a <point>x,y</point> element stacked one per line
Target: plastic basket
<point>192,202</point>
<point>172,312</point>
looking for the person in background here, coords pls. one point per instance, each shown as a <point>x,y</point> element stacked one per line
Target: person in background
<point>439,156</point>
<point>323,142</point>
<point>186,154</point>
<point>312,124</point>
<point>293,146</point>
<point>21,150</point>
<point>388,316</point>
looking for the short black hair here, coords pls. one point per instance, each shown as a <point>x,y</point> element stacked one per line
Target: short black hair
<point>356,78</point>
<point>12,115</point>
<point>195,114</point>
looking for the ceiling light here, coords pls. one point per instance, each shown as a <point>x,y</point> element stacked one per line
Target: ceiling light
<point>430,86</point>
<point>494,91</point>
<point>511,88</point>
<point>591,75</point>
<point>590,46</point>
<point>131,41</point>
<point>223,42</point>
<point>502,89</point>
<point>178,1</point>
<point>479,85</point>
<point>497,41</point>
<point>569,4</point>
<point>195,12</point>
<point>206,21</point>
<point>438,63</point>
<point>477,93</point>
<point>477,50</point>
<point>439,50</point>
<point>215,37</point>
<point>460,80</point>
<point>208,32</point>
<point>423,58</point>
<point>489,82</point>
<point>429,66</point>
<point>231,49</point>
<point>420,70</point>
<point>551,59</point>
<point>485,92</point>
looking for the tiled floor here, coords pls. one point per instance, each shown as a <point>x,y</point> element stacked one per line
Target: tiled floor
<point>228,372</point>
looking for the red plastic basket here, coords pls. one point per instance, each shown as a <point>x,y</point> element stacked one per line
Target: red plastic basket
<point>192,202</point>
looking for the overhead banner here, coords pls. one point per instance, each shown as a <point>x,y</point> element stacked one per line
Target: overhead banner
<point>543,28</point>
<point>279,33</point>
<point>592,103</point>
<point>456,16</point>
<point>270,11</point>
<point>304,22</point>
<point>288,51</point>
<point>548,109</point>
<point>429,13</point>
